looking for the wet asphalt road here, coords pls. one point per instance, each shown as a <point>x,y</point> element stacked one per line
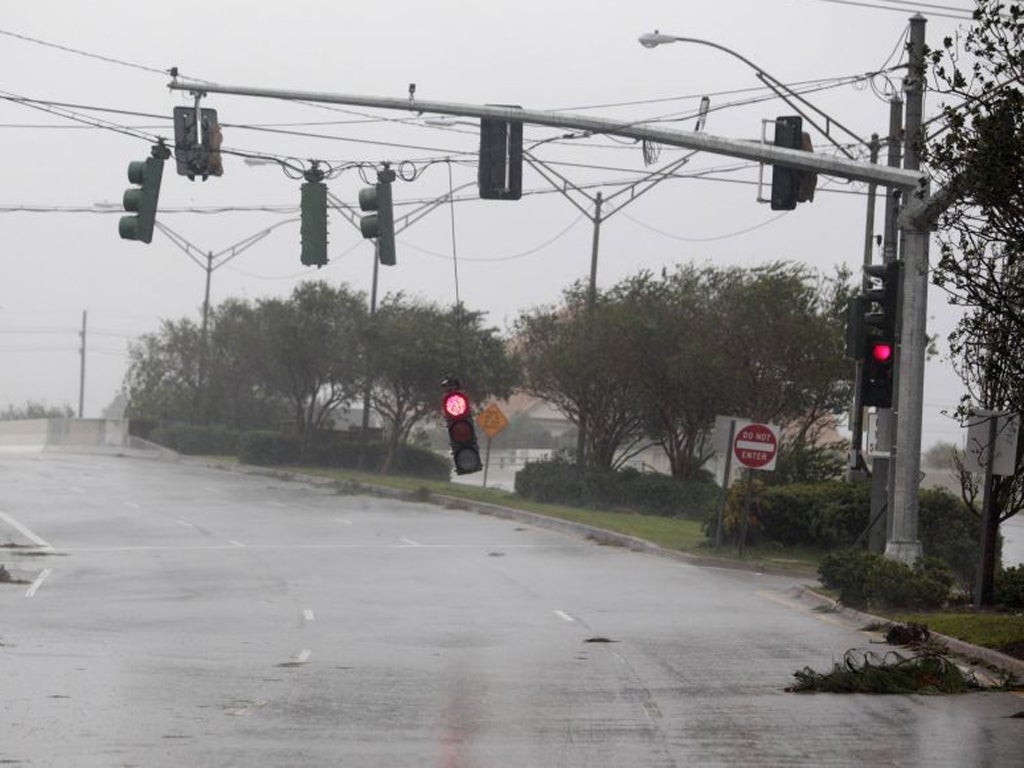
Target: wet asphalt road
<point>190,616</point>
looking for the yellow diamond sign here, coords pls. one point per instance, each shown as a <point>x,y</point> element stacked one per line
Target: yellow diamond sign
<point>492,420</point>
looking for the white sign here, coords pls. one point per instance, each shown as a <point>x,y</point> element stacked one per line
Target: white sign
<point>1004,450</point>
<point>756,446</point>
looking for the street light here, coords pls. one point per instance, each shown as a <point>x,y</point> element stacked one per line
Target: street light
<point>783,91</point>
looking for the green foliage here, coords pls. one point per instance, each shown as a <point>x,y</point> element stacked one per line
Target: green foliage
<point>268,449</point>
<point>1010,587</point>
<point>560,481</point>
<point>193,440</point>
<point>868,580</point>
<point>801,461</point>
<point>820,515</point>
<point>338,450</point>
<point>949,532</point>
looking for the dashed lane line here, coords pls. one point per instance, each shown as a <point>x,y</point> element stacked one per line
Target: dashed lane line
<point>564,616</point>
<point>39,541</point>
<point>31,591</point>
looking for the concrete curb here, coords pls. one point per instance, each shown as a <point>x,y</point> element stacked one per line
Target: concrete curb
<point>973,653</point>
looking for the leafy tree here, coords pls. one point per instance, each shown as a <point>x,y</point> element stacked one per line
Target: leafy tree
<point>162,380</point>
<point>574,358</point>
<point>311,351</point>
<point>978,158</point>
<point>412,346</point>
<point>677,361</point>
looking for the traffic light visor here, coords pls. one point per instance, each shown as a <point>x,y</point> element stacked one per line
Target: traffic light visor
<point>882,352</point>
<point>456,404</point>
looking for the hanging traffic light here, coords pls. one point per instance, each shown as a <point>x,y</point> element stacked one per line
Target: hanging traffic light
<point>197,153</point>
<point>790,185</point>
<point>142,200</point>
<point>313,230</point>
<point>461,434</point>
<point>380,222</point>
<point>500,165</point>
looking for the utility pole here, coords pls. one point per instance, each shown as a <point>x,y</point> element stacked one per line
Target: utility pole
<point>903,543</point>
<point>81,373</point>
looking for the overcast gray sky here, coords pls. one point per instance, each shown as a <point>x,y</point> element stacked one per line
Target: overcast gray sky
<point>570,55</point>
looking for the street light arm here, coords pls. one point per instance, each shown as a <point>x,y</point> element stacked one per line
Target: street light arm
<point>783,91</point>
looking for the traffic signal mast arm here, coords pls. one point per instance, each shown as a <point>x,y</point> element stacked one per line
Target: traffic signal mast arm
<point>747,150</point>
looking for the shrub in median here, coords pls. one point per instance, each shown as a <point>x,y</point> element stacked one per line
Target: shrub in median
<point>558,480</point>
<point>268,448</point>
<point>193,439</point>
<point>1010,587</point>
<point>865,579</point>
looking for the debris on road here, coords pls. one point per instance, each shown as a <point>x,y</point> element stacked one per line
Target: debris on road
<point>927,672</point>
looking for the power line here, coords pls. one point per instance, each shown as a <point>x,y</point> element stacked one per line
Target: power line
<point>87,54</point>
<point>967,17</point>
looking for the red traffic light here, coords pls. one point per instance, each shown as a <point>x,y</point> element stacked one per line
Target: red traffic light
<point>455,405</point>
<point>881,352</point>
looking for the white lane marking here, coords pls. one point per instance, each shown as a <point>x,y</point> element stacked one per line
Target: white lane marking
<point>184,523</point>
<point>237,544</point>
<point>37,540</point>
<point>132,505</point>
<point>564,616</point>
<point>277,504</point>
<point>410,543</point>
<point>302,656</point>
<point>38,582</point>
<point>343,521</point>
<point>308,615</point>
<point>76,489</point>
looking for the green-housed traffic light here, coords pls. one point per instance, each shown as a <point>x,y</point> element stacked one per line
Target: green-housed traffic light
<point>314,219</point>
<point>142,200</point>
<point>380,222</point>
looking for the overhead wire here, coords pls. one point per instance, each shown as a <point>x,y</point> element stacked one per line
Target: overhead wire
<point>860,4</point>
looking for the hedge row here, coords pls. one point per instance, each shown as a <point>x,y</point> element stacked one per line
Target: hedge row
<point>325,449</point>
<point>338,450</point>
<point>559,481</point>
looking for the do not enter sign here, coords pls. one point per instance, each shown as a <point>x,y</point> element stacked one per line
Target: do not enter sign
<point>756,446</point>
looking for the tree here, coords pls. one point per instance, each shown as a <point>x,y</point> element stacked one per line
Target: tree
<point>310,351</point>
<point>412,346</point>
<point>33,410</point>
<point>575,359</point>
<point>979,158</point>
<point>162,382</point>
<point>677,361</point>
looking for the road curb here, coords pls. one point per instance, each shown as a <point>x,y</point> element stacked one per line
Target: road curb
<point>974,653</point>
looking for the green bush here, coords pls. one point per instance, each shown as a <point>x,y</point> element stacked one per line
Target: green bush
<point>866,580</point>
<point>822,515</point>
<point>1010,587</point>
<point>558,480</point>
<point>949,531</point>
<point>340,450</point>
<point>423,462</point>
<point>268,448</point>
<point>192,439</point>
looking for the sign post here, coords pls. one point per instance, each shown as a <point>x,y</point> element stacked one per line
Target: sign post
<point>492,421</point>
<point>755,446</point>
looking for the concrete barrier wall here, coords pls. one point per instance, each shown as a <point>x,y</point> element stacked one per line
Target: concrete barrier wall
<point>41,434</point>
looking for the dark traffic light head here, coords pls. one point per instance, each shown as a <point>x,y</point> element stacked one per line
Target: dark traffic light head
<point>458,415</point>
